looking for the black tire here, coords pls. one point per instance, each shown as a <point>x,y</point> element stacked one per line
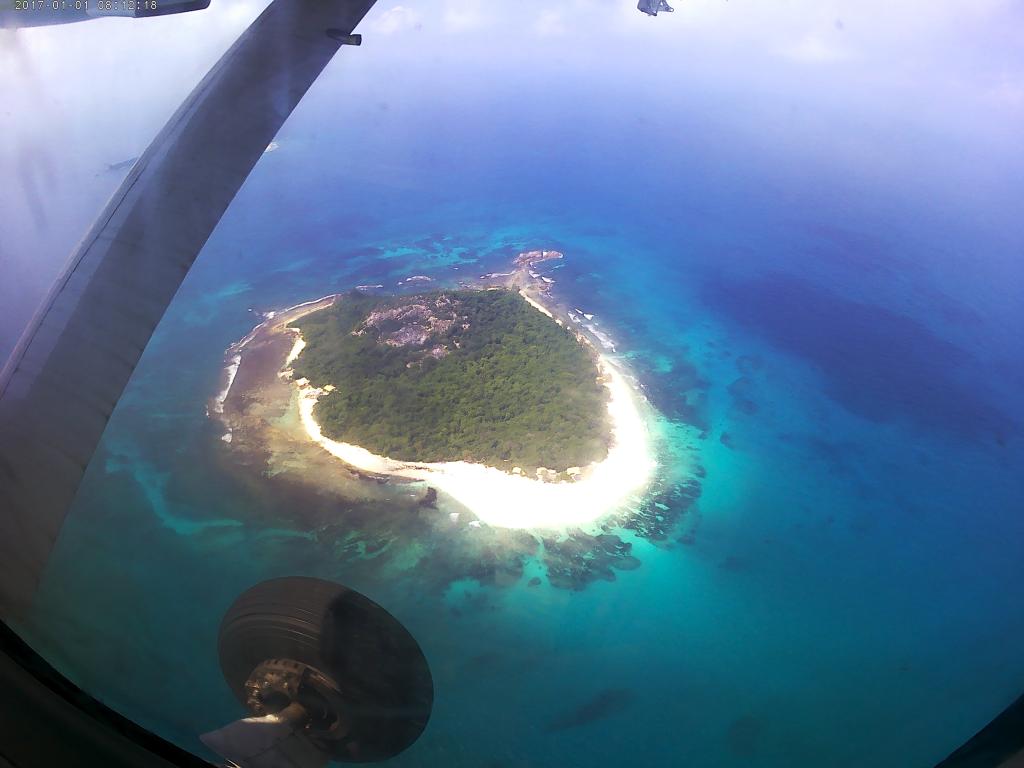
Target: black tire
<point>373,659</point>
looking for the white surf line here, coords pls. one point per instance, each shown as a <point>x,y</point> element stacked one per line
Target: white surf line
<point>235,350</point>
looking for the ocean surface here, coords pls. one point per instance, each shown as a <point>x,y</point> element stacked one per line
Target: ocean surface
<point>835,360</point>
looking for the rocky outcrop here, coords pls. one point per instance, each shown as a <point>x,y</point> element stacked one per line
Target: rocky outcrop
<point>413,324</point>
<point>531,258</point>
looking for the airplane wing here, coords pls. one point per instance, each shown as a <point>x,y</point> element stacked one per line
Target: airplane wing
<point>67,373</point>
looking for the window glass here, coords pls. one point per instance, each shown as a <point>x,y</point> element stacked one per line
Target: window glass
<point>754,483</point>
<point>81,103</point>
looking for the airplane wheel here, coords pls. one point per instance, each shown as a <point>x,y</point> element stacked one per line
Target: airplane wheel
<point>372,659</point>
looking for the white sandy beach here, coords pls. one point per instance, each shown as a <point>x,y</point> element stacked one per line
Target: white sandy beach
<point>502,499</point>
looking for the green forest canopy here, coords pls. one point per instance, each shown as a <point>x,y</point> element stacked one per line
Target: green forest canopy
<point>514,389</point>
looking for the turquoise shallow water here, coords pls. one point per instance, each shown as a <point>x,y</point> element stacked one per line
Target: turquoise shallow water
<point>844,389</point>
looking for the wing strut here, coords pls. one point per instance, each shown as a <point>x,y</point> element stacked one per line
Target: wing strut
<point>67,373</point>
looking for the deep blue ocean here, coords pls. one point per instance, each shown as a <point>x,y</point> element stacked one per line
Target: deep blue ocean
<point>836,360</point>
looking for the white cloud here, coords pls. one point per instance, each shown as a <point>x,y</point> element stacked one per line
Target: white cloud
<point>464,15</point>
<point>550,23</point>
<point>397,19</point>
<point>240,14</point>
<point>814,49</point>
<point>1008,92</point>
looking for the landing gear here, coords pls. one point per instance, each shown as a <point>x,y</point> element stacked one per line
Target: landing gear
<point>651,7</point>
<point>326,673</point>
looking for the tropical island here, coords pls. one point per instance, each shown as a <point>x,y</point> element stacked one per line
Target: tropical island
<point>476,376</point>
<point>489,401</point>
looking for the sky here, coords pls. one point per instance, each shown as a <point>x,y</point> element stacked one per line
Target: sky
<point>940,84</point>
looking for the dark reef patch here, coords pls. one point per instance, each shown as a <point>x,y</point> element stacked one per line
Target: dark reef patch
<point>742,393</point>
<point>858,252</point>
<point>748,364</point>
<point>861,253</point>
<point>661,512</point>
<point>365,537</point>
<point>734,564</point>
<point>603,704</point>
<point>367,252</point>
<point>689,408</point>
<point>681,395</point>
<point>685,376</point>
<point>843,457</point>
<point>876,363</point>
<point>490,556</point>
<point>680,392</point>
<point>487,661</point>
<point>743,736</point>
<point>689,535</point>
<point>579,559</point>
<point>472,603</point>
